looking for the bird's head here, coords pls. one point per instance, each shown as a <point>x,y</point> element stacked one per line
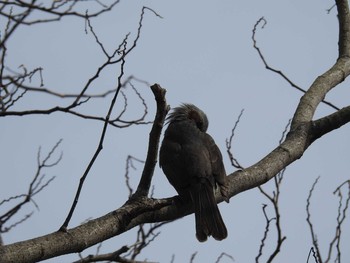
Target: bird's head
<point>189,112</point>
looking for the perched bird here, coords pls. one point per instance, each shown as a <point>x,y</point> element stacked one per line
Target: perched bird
<point>192,162</point>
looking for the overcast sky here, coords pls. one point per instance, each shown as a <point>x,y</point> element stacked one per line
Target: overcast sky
<point>202,53</point>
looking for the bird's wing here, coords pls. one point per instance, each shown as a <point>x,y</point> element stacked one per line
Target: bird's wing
<point>218,168</point>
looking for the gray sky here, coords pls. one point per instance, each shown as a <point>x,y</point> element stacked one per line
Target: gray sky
<point>202,53</point>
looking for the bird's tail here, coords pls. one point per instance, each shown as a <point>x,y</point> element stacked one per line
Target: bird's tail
<point>208,218</point>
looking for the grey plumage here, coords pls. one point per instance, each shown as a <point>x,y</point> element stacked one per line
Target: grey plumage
<point>193,164</point>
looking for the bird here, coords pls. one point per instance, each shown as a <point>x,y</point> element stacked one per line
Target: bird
<point>193,165</point>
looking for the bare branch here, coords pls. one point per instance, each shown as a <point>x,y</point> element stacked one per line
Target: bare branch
<point>8,95</point>
<point>274,199</point>
<point>140,120</point>
<point>301,134</point>
<point>283,137</point>
<point>223,254</point>
<point>144,238</point>
<point>122,49</point>
<point>342,210</point>
<point>97,152</point>
<point>279,72</point>
<point>308,220</point>
<point>344,32</point>
<point>312,250</point>
<point>20,221</point>
<point>129,163</point>
<point>140,27</point>
<point>51,12</point>
<point>95,36</point>
<point>331,78</point>
<point>330,9</point>
<point>152,153</point>
<point>193,256</point>
<point>112,257</point>
<point>341,216</point>
<point>234,161</point>
<point>35,187</point>
<point>329,123</point>
<point>267,227</point>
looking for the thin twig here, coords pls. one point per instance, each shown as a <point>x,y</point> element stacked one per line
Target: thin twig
<point>193,256</point>
<point>342,210</point>
<point>36,186</point>
<point>312,250</point>
<point>279,72</point>
<point>234,161</point>
<point>274,199</point>
<point>129,163</point>
<point>123,51</point>
<point>308,220</point>
<point>223,254</point>
<point>267,227</point>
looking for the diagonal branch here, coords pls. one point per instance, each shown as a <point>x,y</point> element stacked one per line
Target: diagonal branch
<point>301,133</point>
<point>279,72</point>
<point>234,161</point>
<point>38,183</point>
<point>329,123</point>
<point>97,152</point>
<point>308,220</point>
<point>331,78</point>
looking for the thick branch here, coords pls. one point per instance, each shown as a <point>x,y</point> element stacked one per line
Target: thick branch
<point>318,90</point>
<point>79,238</point>
<point>344,28</point>
<point>138,211</point>
<point>330,122</point>
<point>335,75</point>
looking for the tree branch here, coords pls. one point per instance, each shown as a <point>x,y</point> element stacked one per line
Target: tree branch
<point>329,123</point>
<point>153,145</point>
<point>279,72</point>
<point>344,29</point>
<point>37,184</point>
<point>302,133</point>
<point>317,254</point>
<point>234,161</point>
<point>331,78</point>
<point>145,210</point>
<point>97,152</point>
